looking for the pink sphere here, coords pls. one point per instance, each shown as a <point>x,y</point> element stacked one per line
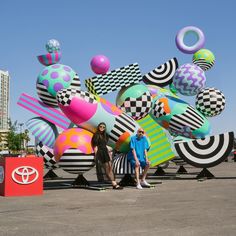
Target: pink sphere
<point>100,64</point>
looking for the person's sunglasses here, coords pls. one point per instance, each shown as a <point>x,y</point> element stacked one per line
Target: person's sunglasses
<point>141,132</point>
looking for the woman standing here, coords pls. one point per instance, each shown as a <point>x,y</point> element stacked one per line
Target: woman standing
<point>99,144</point>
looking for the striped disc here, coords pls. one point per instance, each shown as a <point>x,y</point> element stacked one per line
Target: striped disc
<point>162,75</point>
<point>206,152</point>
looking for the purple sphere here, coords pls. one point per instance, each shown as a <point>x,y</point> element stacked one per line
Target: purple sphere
<point>100,64</point>
<point>189,79</point>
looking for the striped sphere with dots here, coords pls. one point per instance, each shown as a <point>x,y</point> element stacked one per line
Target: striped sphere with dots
<point>204,58</point>
<point>210,102</point>
<point>189,79</point>
<point>54,78</point>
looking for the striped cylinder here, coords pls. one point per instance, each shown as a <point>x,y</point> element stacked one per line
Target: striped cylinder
<point>46,112</point>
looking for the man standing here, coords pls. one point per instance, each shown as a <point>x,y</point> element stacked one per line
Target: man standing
<point>137,156</point>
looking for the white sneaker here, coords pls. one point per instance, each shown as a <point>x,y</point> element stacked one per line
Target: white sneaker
<point>138,186</point>
<point>144,183</point>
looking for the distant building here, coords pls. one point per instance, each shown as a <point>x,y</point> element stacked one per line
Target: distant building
<point>4,100</point>
<point>4,107</point>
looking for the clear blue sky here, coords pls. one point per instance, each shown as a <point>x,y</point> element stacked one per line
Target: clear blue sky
<point>126,31</point>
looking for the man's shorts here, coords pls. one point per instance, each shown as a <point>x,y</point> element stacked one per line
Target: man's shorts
<point>143,163</point>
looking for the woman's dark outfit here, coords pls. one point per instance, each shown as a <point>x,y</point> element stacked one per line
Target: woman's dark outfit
<point>102,152</point>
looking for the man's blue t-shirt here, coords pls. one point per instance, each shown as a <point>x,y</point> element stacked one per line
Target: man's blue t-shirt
<point>139,144</point>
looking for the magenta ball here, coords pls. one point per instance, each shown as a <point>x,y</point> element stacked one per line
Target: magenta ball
<point>100,64</point>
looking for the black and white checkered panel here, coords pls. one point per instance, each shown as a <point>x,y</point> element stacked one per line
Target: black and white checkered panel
<point>206,152</point>
<point>203,64</point>
<point>123,123</point>
<point>210,102</point>
<point>162,75</point>
<point>65,96</point>
<point>45,96</point>
<point>121,165</point>
<point>74,162</point>
<point>114,80</point>
<point>187,119</point>
<point>48,156</point>
<point>158,109</point>
<point>139,107</point>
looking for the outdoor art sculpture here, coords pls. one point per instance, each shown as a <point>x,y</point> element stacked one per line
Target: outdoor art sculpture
<point>142,101</point>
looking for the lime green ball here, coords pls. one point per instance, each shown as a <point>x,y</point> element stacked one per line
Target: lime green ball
<point>204,58</point>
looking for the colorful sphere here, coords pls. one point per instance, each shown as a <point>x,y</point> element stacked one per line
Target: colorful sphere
<point>100,64</point>
<point>53,46</point>
<point>204,58</point>
<point>56,77</point>
<point>210,102</point>
<point>179,40</point>
<point>135,100</point>
<point>75,138</point>
<point>43,130</point>
<point>189,79</point>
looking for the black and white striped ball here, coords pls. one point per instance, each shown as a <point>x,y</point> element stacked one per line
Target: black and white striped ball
<point>210,102</point>
<point>74,161</point>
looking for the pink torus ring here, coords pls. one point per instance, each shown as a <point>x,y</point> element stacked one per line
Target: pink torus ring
<point>179,40</point>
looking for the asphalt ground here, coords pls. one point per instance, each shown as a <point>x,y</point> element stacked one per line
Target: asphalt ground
<point>179,204</point>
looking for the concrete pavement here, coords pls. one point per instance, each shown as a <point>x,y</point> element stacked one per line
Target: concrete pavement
<point>180,205</point>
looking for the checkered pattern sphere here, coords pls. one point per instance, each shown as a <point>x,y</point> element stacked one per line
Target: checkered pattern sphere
<point>189,79</point>
<point>53,46</point>
<point>210,102</point>
<point>204,58</point>
<point>136,101</point>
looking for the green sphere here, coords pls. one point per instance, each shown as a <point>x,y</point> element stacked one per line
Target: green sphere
<point>204,58</point>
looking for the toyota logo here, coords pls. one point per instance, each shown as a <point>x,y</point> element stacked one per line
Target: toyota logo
<point>25,175</point>
<point>1,174</point>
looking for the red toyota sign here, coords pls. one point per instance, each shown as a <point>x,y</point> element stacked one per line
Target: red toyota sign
<point>21,176</point>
